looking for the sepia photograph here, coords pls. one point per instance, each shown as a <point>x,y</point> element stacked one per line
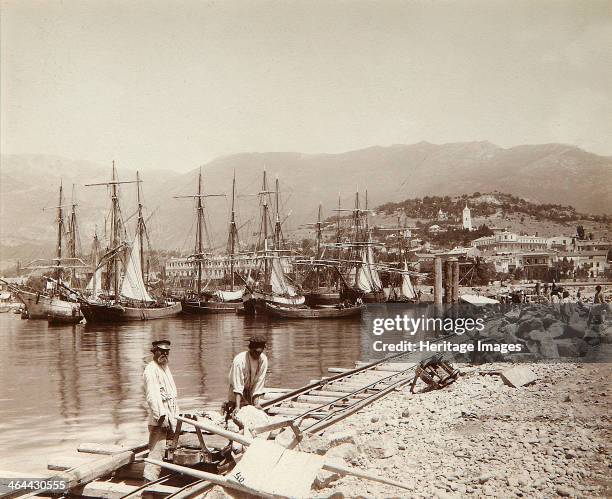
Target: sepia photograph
<point>305,249</point>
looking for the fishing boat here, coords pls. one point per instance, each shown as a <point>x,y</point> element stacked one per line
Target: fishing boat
<point>324,312</point>
<point>213,300</point>
<point>54,301</point>
<point>126,297</point>
<point>271,285</point>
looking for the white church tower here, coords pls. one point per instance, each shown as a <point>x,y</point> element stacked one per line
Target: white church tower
<point>467,218</point>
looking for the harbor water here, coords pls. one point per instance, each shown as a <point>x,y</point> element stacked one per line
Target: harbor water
<point>64,385</point>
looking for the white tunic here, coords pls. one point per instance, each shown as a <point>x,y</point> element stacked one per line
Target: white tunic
<point>246,377</point>
<point>160,392</point>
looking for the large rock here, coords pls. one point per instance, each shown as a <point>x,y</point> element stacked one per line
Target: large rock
<point>605,334</point>
<point>548,349</point>
<point>314,444</point>
<point>572,347</point>
<point>556,329</point>
<point>518,376</point>
<point>528,326</point>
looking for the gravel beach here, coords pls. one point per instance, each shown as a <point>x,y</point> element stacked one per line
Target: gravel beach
<point>480,437</point>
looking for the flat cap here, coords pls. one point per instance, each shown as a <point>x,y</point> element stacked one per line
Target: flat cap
<point>161,344</point>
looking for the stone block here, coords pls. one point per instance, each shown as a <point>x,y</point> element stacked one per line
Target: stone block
<point>518,376</point>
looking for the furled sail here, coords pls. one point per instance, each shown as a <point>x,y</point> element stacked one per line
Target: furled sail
<point>229,295</point>
<point>133,286</point>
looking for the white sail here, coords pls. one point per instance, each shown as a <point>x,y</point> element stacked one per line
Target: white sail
<point>133,286</point>
<point>375,278</point>
<point>364,282</point>
<point>229,295</point>
<point>94,286</point>
<point>368,279</point>
<point>407,288</point>
<point>277,279</point>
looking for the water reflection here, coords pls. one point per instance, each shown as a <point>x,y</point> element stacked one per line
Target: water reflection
<point>62,385</point>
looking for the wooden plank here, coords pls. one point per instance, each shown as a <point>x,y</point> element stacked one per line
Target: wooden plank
<point>64,463</point>
<point>116,490</point>
<point>95,468</point>
<point>108,449</point>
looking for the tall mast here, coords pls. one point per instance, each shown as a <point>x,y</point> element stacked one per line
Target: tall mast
<point>318,243</point>
<point>95,250</point>
<point>72,230</point>
<point>367,221</point>
<point>60,229</point>
<point>115,231</point>
<point>277,223</point>
<point>113,265</point>
<point>140,227</point>
<point>199,231</point>
<point>265,227</point>
<point>200,227</point>
<point>338,228</point>
<point>232,233</point>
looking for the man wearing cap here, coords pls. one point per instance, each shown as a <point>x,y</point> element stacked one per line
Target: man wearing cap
<point>160,392</point>
<point>247,375</point>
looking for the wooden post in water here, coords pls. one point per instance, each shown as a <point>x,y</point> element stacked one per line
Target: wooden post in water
<point>437,280</point>
<point>455,285</point>
<point>448,281</point>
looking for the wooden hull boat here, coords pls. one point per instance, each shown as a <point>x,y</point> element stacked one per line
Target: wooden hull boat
<point>56,320</point>
<point>40,306</point>
<point>256,301</point>
<point>322,297</point>
<point>111,312</point>
<point>210,307</point>
<point>313,313</point>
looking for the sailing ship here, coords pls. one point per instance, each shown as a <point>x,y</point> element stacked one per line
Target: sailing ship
<point>218,300</point>
<point>54,303</point>
<point>271,284</point>
<point>323,283</point>
<point>126,297</point>
<point>361,269</point>
<point>400,289</point>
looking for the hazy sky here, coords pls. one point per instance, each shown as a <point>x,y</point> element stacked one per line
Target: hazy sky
<point>174,84</point>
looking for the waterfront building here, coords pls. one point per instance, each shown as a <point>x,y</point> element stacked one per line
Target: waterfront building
<point>182,272</point>
<point>508,242</point>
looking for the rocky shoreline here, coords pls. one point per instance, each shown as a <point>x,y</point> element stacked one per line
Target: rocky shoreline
<point>480,437</point>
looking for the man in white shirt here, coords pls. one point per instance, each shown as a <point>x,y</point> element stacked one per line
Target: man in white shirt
<point>247,375</point>
<point>160,392</point>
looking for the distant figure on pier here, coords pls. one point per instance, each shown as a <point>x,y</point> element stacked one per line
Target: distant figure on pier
<point>599,296</point>
<point>247,376</point>
<point>160,392</point>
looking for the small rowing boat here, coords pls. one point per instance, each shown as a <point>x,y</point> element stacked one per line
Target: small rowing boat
<point>336,312</point>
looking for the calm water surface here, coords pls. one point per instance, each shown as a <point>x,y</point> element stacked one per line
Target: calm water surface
<point>63,385</point>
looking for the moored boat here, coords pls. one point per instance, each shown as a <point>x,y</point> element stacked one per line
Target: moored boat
<point>335,312</point>
<point>127,298</point>
<point>217,301</point>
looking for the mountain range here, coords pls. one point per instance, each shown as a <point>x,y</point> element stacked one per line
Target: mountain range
<point>545,173</point>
